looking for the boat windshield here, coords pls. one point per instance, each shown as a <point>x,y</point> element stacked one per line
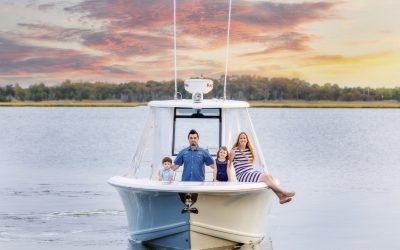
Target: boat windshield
<point>206,121</point>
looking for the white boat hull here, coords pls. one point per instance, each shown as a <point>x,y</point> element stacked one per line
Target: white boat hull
<point>228,214</point>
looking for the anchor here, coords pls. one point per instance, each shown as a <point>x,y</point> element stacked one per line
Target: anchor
<point>189,199</point>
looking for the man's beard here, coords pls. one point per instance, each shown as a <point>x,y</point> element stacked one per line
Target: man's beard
<point>193,144</point>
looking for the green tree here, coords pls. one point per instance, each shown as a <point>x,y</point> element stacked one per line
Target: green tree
<point>2,94</point>
<point>38,92</point>
<point>20,93</point>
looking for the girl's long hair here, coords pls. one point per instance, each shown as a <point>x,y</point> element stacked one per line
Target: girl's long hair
<point>248,145</point>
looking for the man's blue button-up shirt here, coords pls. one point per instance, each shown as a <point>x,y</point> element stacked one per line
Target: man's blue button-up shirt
<point>193,161</point>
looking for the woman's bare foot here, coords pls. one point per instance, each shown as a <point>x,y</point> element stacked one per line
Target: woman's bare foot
<point>289,194</point>
<point>285,200</point>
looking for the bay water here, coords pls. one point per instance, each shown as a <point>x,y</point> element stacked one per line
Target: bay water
<point>344,165</point>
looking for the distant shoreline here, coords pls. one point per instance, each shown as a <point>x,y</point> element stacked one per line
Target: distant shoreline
<point>271,104</point>
<point>72,104</point>
<point>326,104</point>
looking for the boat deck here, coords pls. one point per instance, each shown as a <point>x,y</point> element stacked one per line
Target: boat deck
<point>185,186</point>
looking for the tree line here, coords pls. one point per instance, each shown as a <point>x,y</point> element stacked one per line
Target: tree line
<point>250,88</point>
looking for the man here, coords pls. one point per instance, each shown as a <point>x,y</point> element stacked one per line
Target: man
<point>193,158</point>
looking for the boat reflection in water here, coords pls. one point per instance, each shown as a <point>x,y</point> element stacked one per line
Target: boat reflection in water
<point>265,245</point>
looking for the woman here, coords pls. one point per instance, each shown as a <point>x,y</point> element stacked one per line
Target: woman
<point>243,157</point>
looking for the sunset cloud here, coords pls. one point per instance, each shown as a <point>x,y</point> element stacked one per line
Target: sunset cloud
<point>20,60</point>
<point>283,42</point>
<point>51,33</point>
<point>125,40</point>
<point>203,18</point>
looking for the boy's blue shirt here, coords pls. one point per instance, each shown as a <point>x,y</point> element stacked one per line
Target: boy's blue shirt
<point>166,173</point>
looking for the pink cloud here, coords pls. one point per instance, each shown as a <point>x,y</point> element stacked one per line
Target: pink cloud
<point>127,44</point>
<point>51,32</point>
<point>20,59</point>
<point>203,18</point>
<point>290,41</point>
<point>134,29</point>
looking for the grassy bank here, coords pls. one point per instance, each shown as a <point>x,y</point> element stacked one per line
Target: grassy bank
<point>326,104</point>
<point>72,104</point>
<point>272,104</point>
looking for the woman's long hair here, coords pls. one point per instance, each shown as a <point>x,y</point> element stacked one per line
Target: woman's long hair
<point>248,145</point>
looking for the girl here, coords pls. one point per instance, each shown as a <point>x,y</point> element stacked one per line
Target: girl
<point>221,165</point>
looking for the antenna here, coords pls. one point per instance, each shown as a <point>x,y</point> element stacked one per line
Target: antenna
<point>227,47</point>
<point>176,85</point>
<point>226,52</point>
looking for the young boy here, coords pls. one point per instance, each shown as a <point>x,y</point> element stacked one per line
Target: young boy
<point>166,173</point>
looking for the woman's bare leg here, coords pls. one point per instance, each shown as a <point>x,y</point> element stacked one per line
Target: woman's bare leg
<point>271,183</point>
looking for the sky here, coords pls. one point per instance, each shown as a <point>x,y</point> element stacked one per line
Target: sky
<point>347,42</point>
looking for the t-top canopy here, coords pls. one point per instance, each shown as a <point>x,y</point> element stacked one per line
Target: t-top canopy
<point>213,103</point>
<point>218,123</point>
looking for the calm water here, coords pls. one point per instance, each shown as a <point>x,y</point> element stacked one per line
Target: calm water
<point>343,163</point>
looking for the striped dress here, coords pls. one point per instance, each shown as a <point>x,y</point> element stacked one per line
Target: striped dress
<point>243,166</point>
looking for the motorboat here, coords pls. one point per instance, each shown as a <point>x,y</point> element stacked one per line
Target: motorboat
<point>185,214</point>
<point>193,215</point>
